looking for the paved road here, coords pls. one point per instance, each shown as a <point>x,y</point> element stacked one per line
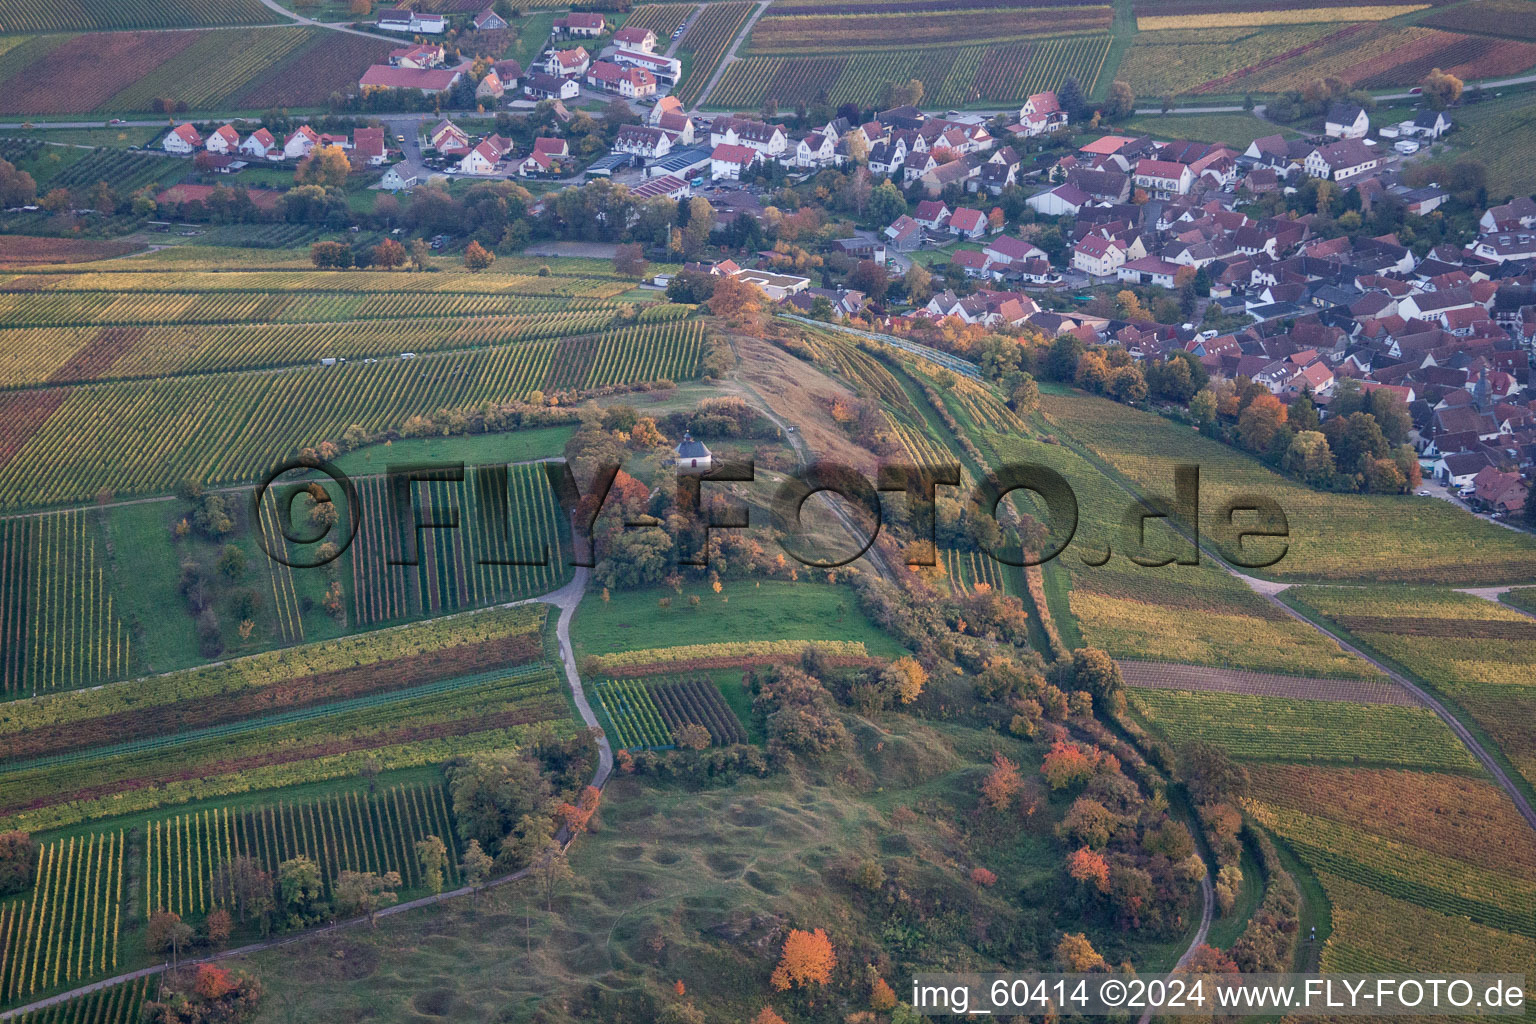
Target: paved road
<point>730,55</point>
<point>1237,107</point>
<point>334,26</point>
<point>693,16</point>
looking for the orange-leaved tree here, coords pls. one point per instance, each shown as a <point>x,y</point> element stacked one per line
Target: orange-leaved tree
<point>808,960</point>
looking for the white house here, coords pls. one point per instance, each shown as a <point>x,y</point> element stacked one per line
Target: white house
<point>1148,270</point>
<point>730,162</point>
<point>1340,160</point>
<point>226,140</point>
<point>814,149</point>
<point>776,286</point>
<point>552,87</point>
<point>642,140</point>
<point>692,456</point>
<point>642,39</point>
<point>1346,121</point>
<point>1431,124</point>
<point>400,19</point>
<point>395,180</point>
<point>485,157</point>
<point>581,24</point>
<point>967,223</point>
<point>1163,178</point>
<point>301,142</point>
<point>1098,256</point>
<point>183,139</point>
<point>261,145</point>
<point>768,139</point>
<point>574,61</point>
<point>1005,250</point>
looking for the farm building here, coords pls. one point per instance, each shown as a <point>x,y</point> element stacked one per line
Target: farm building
<point>402,19</point>
<point>425,80</point>
<point>775,286</point>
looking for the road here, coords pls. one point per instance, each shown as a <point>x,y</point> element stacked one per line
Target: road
<point>334,26</point>
<point>730,55</point>
<point>1207,911</point>
<point>1237,107</point>
<point>693,16</point>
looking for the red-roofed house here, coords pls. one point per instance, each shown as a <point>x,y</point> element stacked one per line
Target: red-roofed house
<point>418,56</point>
<point>1163,178</point>
<point>574,61</point>
<point>182,139</point>
<point>1314,377</point>
<point>627,82</point>
<point>447,137</point>
<point>642,39</point>
<point>1098,256</point>
<point>301,142</point>
<point>581,24</point>
<point>485,157</point>
<point>226,140</point>
<point>967,223</point>
<point>973,263</point>
<point>368,146</point>
<point>1499,492</point>
<point>261,145</point>
<point>535,163</point>
<point>931,214</point>
<point>1149,270</point>
<point>728,161</point>
<point>1006,250</point>
<point>556,148</point>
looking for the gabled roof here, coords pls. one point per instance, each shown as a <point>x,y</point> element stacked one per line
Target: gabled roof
<point>967,220</point>
<point>727,153</point>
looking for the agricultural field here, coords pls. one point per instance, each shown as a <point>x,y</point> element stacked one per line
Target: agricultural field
<point>1479,654</point>
<point>511,543</point>
<point>1324,732</point>
<point>69,930</point>
<point>1333,537</point>
<point>58,626</point>
<point>706,40</point>
<point>1510,18</point>
<point>645,713</point>
<point>1274,16</point>
<point>64,166</point>
<point>17,16</point>
<point>952,75</point>
<point>1234,129</point>
<point>117,1004</point>
<point>1499,132</point>
<point>171,428</point>
<point>810,33</point>
<point>1177,61</point>
<point>126,71</point>
<point>1377,55</point>
<point>662,19</point>
<point>1161,675</point>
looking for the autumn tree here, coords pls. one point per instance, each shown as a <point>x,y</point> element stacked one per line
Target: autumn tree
<point>1440,89</point>
<point>767,1016</point>
<point>166,932</point>
<point>629,260</point>
<point>1066,764</point>
<point>808,959</point>
<point>918,284</point>
<point>365,892</point>
<point>1076,955</point>
<point>1092,372</point>
<point>882,998</point>
<point>909,678</point>
<point>1002,784</point>
<point>1099,674</point>
<point>218,927</point>
<point>389,254</point>
<point>432,855</point>
<point>477,257</point>
<point>327,166</point>
<point>327,255</point>
<point>734,297</point>
<point>1089,868</point>
<point>246,885</point>
<point>1260,422</point>
<point>691,736</point>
